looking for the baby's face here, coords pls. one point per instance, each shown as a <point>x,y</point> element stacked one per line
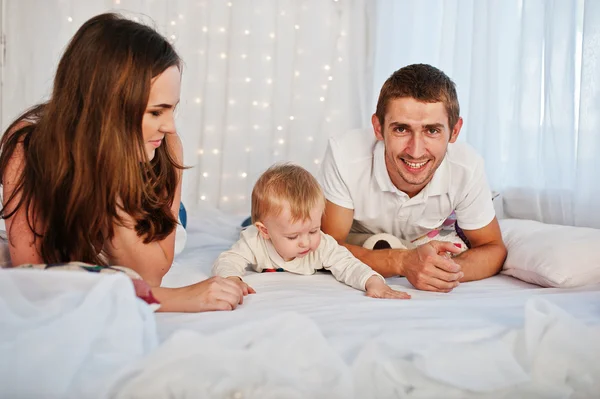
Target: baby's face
<point>297,239</point>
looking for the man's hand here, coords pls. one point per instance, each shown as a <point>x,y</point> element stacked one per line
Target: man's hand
<point>429,268</point>
<point>376,288</point>
<point>246,289</point>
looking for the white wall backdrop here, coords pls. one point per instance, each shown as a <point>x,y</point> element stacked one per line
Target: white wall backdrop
<point>269,80</point>
<point>264,80</point>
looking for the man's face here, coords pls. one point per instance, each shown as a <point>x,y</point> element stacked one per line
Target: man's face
<point>416,137</point>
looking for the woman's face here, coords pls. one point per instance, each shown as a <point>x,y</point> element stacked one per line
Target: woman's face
<point>159,117</point>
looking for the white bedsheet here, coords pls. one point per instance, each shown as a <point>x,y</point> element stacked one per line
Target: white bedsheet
<point>369,334</point>
<point>67,334</point>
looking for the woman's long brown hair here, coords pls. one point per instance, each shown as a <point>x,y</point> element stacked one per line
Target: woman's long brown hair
<point>84,149</point>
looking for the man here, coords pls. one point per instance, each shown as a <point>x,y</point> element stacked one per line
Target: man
<point>408,179</point>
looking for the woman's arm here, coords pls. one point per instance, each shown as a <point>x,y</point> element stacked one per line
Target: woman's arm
<point>24,248</point>
<point>153,260</point>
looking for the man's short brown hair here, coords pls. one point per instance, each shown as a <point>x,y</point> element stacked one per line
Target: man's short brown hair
<point>423,83</point>
<point>286,183</point>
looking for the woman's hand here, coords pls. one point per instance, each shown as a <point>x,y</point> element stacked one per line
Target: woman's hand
<point>215,293</point>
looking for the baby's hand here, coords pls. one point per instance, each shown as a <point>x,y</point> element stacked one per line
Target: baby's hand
<point>377,288</point>
<point>245,287</point>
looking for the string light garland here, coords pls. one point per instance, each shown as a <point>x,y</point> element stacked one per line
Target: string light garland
<point>251,105</point>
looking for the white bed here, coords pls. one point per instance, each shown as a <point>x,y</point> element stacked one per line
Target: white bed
<point>349,321</point>
<point>308,337</point>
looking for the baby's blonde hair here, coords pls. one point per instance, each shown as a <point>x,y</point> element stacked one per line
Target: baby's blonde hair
<point>286,182</point>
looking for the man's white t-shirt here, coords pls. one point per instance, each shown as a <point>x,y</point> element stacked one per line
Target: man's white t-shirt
<point>258,253</point>
<point>354,176</point>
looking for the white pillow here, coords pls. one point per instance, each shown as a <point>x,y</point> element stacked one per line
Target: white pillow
<point>551,255</point>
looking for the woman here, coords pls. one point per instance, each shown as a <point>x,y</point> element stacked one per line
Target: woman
<point>94,174</point>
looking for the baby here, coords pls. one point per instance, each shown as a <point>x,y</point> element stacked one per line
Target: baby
<point>287,205</point>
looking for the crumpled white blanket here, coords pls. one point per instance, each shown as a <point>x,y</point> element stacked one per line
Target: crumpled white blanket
<point>285,356</point>
<point>67,334</point>
<point>553,356</point>
<point>81,335</point>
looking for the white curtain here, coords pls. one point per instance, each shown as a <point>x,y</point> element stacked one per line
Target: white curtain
<point>270,80</point>
<point>264,80</point>
<point>528,79</point>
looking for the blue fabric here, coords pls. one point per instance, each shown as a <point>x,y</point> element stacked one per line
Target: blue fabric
<point>247,222</point>
<point>182,215</point>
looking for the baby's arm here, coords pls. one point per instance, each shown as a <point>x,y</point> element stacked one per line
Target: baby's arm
<point>232,264</point>
<point>351,271</point>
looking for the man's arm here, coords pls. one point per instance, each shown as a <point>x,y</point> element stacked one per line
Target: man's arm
<point>423,267</point>
<point>487,253</point>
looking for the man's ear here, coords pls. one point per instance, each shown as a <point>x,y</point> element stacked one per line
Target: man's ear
<point>377,127</point>
<point>456,130</point>
<point>262,230</point>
